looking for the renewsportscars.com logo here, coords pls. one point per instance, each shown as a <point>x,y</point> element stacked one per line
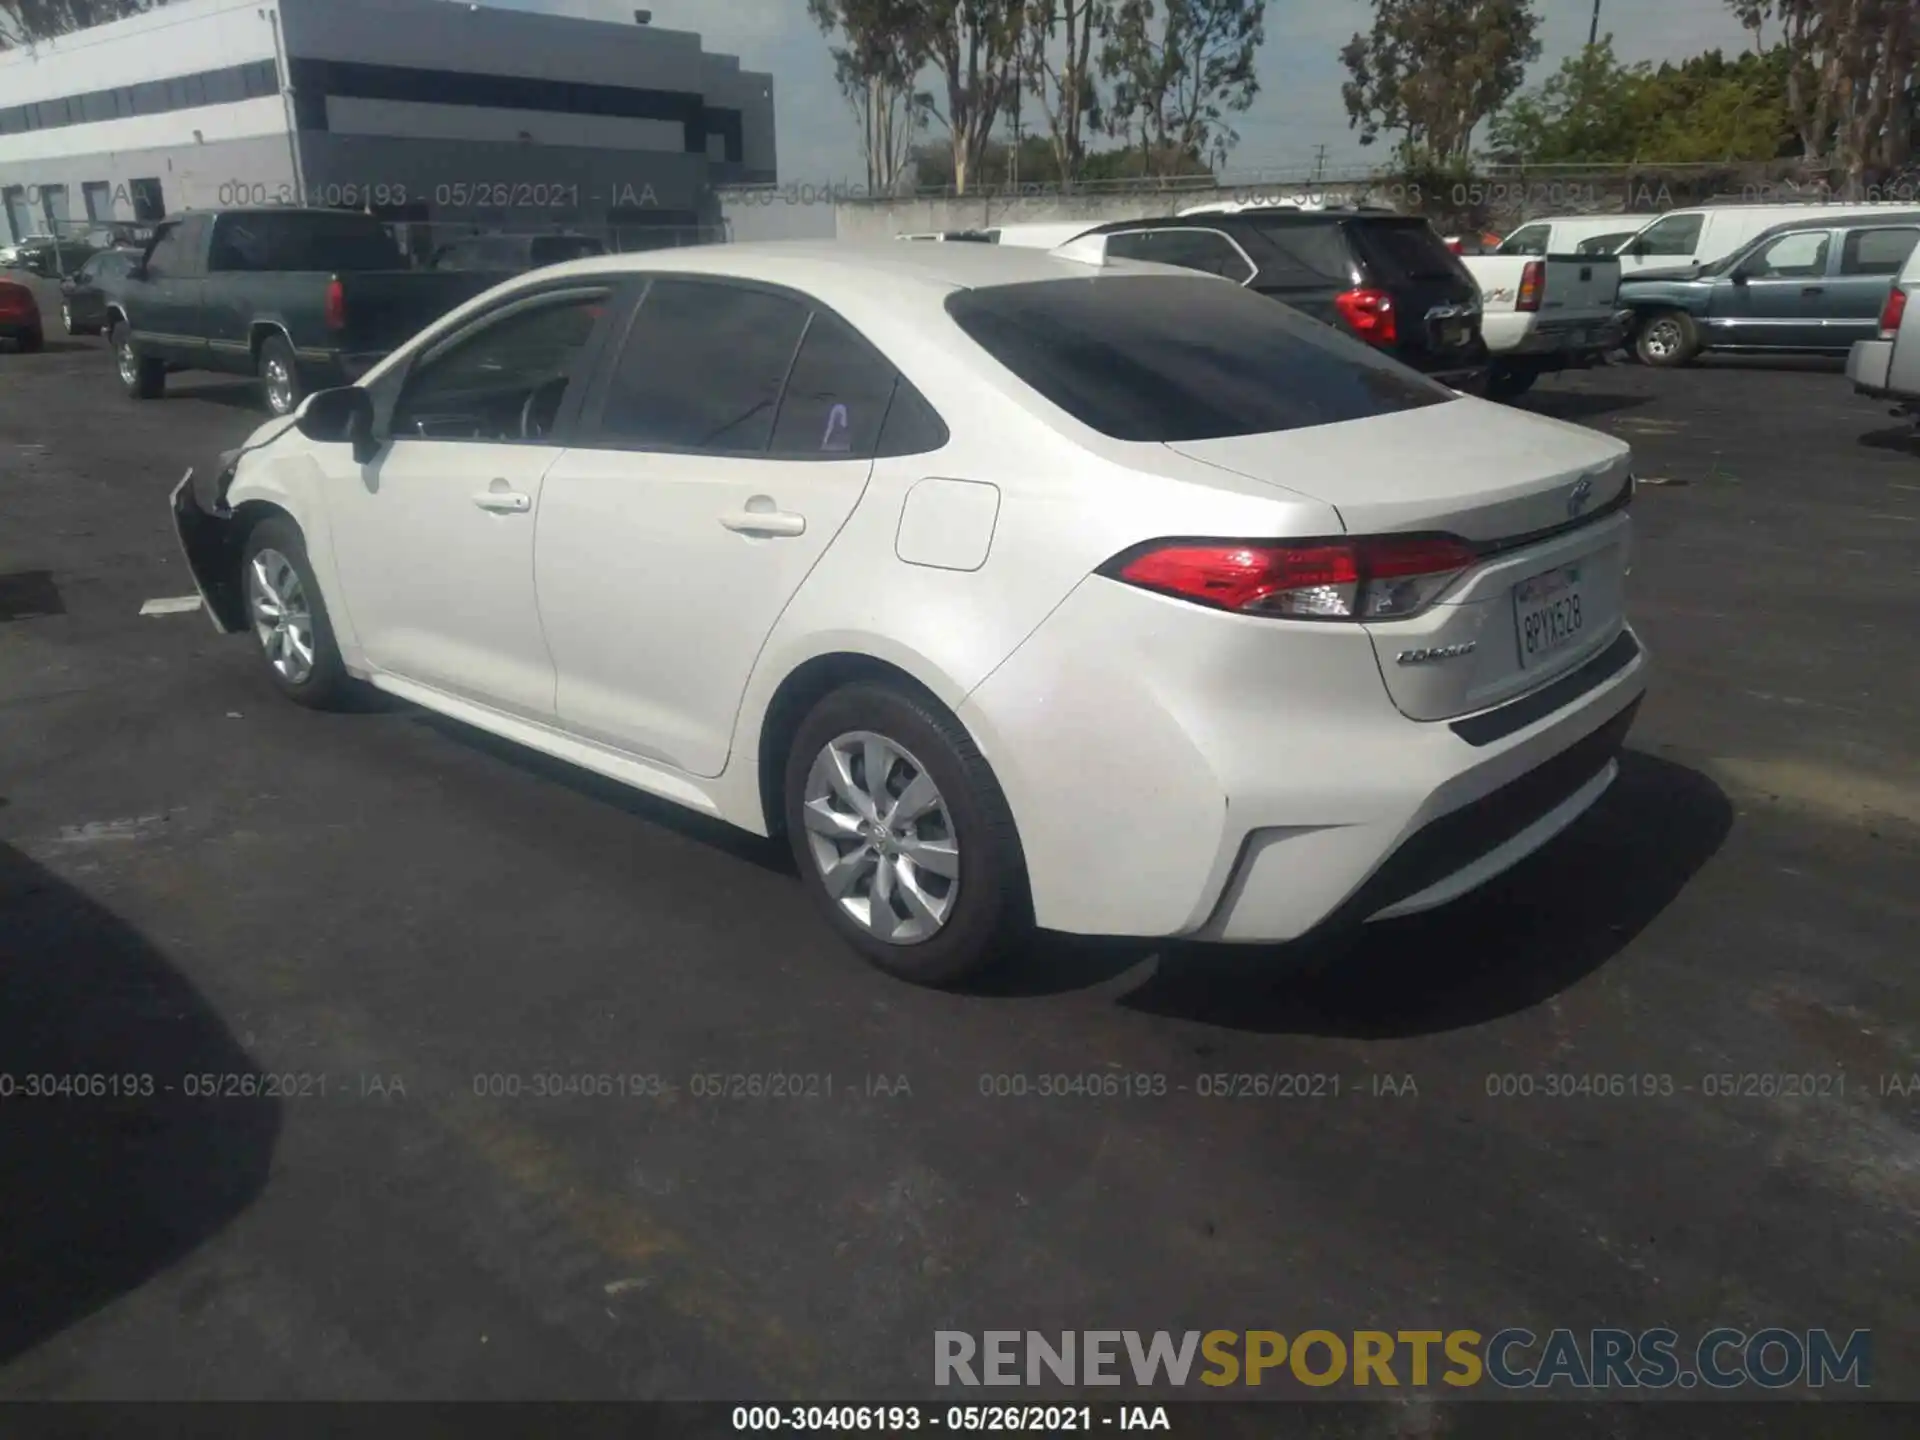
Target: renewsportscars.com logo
<point>1514,1359</point>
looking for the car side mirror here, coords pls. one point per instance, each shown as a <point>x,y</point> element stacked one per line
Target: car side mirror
<point>336,417</point>
<point>1639,249</point>
<point>1740,276</point>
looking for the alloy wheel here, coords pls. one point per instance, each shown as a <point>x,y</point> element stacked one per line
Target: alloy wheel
<point>880,833</point>
<point>129,363</point>
<point>282,618</point>
<point>1663,339</point>
<point>279,386</point>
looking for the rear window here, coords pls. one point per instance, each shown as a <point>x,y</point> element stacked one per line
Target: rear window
<point>1172,358</point>
<point>1297,255</point>
<point>1406,250</point>
<point>305,241</point>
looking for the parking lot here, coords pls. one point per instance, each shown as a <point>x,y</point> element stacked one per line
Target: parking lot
<point>198,879</point>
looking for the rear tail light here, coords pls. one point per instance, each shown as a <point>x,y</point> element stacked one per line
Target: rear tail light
<point>1533,285</point>
<point>1458,247</point>
<point>1384,577</point>
<point>336,306</point>
<point>1369,314</point>
<point>1894,313</point>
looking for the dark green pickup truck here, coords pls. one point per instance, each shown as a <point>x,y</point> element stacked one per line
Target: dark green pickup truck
<point>304,299</point>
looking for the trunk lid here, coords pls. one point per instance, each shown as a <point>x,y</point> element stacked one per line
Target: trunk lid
<point>1547,594</point>
<point>1437,299</point>
<point>1582,287</point>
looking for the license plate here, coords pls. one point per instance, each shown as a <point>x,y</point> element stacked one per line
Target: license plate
<point>1548,614</point>
<point>1454,333</point>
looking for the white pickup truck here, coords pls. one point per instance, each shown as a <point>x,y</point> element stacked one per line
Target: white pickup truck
<point>1887,367</point>
<point>1544,313</point>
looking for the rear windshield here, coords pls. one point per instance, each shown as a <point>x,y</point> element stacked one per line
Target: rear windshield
<point>1297,254</point>
<point>1403,250</point>
<point>298,240</point>
<point>1172,358</point>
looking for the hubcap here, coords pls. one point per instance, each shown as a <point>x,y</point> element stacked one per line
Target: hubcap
<point>129,364</point>
<point>879,831</point>
<point>279,386</point>
<point>282,619</point>
<point>1663,338</point>
<point>66,317</point>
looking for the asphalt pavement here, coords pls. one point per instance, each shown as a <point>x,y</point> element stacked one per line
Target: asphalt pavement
<point>407,922</point>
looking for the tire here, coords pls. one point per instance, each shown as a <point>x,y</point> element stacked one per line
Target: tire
<point>1666,340</point>
<point>141,377</point>
<point>31,342</point>
<point>1509,382</point>
<point>988,914</point>
<point>280,376</point>
<point>275,550</point>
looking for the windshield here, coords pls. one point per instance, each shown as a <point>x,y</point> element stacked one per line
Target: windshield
<point>1164,359</point>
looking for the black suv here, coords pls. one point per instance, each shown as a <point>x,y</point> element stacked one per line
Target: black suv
<point>1388,279</point>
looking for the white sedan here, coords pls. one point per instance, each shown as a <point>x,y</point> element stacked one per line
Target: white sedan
<point>1016,590</point>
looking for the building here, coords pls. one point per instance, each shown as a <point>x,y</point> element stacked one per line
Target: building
<point>457,115</point>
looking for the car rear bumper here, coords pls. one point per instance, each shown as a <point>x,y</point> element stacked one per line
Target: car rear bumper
<point>1868,363</point>
<point>1178,772</point>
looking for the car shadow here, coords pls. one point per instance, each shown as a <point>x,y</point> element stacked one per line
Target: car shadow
<point>1538,930</point>
<point>234,394</point>
<point>1812,364</point>
<point>1901,439</point>
<point>769,854</point>
<point>57,345</point>
<point>1579,404</point>
<point>103,1191</point>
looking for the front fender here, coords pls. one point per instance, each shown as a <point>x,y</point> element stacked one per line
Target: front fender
<point>207,542</point>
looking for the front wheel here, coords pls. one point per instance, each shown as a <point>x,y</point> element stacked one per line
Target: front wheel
<point>1667,339</point>
<point>289,619</point>
<point>140,377</point>
<point>903,836</point>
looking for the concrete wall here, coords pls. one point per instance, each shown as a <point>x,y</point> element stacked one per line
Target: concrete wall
<point>775,213</point>
<point>884,219</point>
<point>243,171</point>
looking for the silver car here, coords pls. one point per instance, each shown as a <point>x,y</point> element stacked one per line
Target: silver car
<point>1887,367</point>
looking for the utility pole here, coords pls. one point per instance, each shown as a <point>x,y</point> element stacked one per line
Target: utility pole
<point>1593,31</point>
<point>1319,163</point>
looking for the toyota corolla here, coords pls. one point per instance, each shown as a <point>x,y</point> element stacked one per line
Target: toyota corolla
<point>1015,590</point>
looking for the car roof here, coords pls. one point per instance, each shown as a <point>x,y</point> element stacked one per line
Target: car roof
<point>831,267</point>
<point>1899,219</point>
<point>1262,218</point>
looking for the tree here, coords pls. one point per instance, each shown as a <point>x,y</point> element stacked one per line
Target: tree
<point>880,54</point>
<point>1595,110</point>
<point>28,22</point>
<point>1066,87</point>
<point>974,45</point>
<point>1179,68</point>
<point>1851,80</point>
<point>1433,70</point>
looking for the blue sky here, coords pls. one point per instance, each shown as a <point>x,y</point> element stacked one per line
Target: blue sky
<point>1298,109</point>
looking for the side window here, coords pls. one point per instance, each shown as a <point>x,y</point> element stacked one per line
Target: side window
<point>504,378</point>
<point>164,261</point>
<point>1207,251</point>
<point>703,368</point>
<point>836,397</point>
<point>1528,240</point>
<point>1799,256</point>
<point>1877,252</point>
<point>1675,235</point>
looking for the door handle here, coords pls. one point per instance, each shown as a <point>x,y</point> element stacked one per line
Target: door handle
<point>504,502</point>
<point>765,522</point>
<point>1813,290</point>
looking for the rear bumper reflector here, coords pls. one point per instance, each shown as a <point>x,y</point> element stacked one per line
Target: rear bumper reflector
<point>1500,722</point>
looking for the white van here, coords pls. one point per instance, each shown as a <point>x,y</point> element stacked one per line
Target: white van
<point>1706,233</point>
<point>1573,235</point>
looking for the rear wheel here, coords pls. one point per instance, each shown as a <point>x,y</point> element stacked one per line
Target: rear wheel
<point>1666,339</point>
<point>141,377</point>
<point>289,619</point>
<point>903,836</point>
<point>1507,382</point>
<point>280,376</point>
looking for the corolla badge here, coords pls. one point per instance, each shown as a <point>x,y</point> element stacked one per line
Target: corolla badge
<point>1438,652</point>
<point>1578,497</point>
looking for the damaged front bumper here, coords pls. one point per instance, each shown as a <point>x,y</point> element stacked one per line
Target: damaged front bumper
<point>204,526</point>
